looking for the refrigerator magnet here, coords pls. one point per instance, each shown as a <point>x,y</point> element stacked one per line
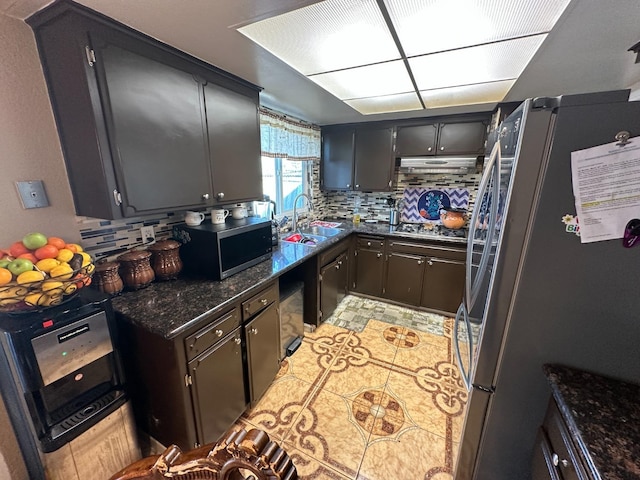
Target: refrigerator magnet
<point>571,224</point>
<point>631,233</point>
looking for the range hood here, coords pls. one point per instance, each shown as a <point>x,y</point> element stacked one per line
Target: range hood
<point>438,164</point>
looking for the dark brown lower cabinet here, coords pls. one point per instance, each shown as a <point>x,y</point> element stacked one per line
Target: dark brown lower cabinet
<point>218,390</point>
<point>369,265</point>
<point>263,352</point>
<point>404,278</point>
<point>555,456</point>
<point>443,284</point>
<point>334,279</point>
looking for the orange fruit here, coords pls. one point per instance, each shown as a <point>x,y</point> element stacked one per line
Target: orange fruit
<point>5,276</point>
<point>72,246</point>
<point>56,242</point>
<point>29,256</point>
<point>48,251</point>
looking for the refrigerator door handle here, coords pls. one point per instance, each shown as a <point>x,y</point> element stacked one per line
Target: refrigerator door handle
<point>472,287</point>
<point>466,376</point>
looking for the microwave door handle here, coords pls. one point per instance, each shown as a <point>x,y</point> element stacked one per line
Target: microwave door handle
<point>463,373</point>
<point>482,190</point>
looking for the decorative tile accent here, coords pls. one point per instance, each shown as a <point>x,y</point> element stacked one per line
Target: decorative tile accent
<point>423,205</point>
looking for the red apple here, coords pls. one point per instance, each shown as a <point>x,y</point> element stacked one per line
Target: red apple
<point>29,256</point>
<point>18,249</point>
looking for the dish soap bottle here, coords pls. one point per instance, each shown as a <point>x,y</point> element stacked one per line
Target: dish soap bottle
<point>356,212</point>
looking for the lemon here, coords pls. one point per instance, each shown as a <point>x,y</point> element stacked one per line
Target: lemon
<point>12,295</point>
<point>64,255</point>
<point>47,264</point>
<point>30,277</point>
<point>69,289</point>
<point>38,298</point>
<point>86,258</point>
<point>62,272</point>
<point>53,287</point>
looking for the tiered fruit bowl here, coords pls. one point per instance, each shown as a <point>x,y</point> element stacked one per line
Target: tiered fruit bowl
<point>52,291</point>
<point>40,272</point>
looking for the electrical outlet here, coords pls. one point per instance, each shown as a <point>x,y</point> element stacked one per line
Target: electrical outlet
<point>148,235</point>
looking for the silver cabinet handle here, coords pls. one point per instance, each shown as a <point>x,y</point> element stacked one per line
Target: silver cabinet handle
<point>338,267</point>
<point>419,262</point>
<point>429,149</point>
<point>264,301</point>
<point>348,185</point>
<point>254,330</point>
<point>237,340</point>
<point>219,333</point>
<point>368,244</point>
<point>430,262</point>
<point>357,186</point>
<point>441,149</point>
<point>205,196</point>
<point>379,255</point>
<point>555,459</point>
<point>220,195</point>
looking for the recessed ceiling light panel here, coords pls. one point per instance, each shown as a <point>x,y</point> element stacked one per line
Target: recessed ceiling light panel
<point>473,65</point>
<point>385,104</point>
<point>428,26</point>
<point>370,81</point>
<point>327,36</point>
<point>467,95</point>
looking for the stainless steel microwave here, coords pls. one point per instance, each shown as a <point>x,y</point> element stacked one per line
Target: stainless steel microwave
<point>220,250</point>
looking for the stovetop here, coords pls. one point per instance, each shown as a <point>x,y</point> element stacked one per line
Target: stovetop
<point>430,229</point>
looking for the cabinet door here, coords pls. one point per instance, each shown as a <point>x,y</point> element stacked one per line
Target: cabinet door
<point>337,159</point>
<point>156,123</point>
<point>443,284</point>
<point>417,140</point>
<point>234,145</point>
<point>218,392</point>
<point>542,467</point>
<point>462,138</point>
<point>329,280</point>
<point>343,276</point>
<point>404,278</point>
<point>369,270</point>
<point>262,335</point>
<point>374,159</point>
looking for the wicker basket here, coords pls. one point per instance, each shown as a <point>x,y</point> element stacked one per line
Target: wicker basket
<point>50,292</point>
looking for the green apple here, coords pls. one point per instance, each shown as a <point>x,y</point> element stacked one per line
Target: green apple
<point>34,240</point>
<point>4,262</point>
<point>20,265</point>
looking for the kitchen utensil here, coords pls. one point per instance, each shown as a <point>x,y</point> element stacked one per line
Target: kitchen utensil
<point>135,269</point>
<point>453,218</point>
<point>165,259</point>
<point>238,212</point>
<point>219,215</point>
<point>193,218</point>
<point>265,209</point>
<point>394,214</point>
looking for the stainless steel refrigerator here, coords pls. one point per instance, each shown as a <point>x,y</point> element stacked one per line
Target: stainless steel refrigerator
<point>536,294</point>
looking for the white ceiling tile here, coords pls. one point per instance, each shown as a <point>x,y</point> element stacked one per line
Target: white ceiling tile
<point>428,26</point>
<point>466,66</point>
<point>467,95</point>
<point>370,81</point>
<point>403,102</point>
<point>327,36</point>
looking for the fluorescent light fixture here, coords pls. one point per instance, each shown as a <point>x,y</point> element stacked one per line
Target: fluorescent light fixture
<point>440,52</point>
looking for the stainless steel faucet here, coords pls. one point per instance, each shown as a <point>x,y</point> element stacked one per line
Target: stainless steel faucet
<point>294,221</point>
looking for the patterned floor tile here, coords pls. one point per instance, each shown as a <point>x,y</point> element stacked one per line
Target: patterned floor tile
<point>311,469</point>
<point>373,344</point>
<point>310,362</point>
<point>329,335</point>
<point>422,351</point>
<point>279,408</point>
<point>352,373</point>
<point>417,454</point>
<point>327,432</point>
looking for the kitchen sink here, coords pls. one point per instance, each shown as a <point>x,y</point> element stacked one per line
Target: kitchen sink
<point>322,231</point>
<point>304,238</point>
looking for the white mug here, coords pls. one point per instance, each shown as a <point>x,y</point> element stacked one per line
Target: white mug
<point>218,216</point>
<point>193,218</point>
<point>239,212</point>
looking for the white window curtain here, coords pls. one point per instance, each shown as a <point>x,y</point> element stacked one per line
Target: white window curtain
<point>287,138</point>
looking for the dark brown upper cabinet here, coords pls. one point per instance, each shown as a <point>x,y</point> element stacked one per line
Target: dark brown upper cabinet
<point>455,138</point>
<point>357,158</point>
<point>144,127</point>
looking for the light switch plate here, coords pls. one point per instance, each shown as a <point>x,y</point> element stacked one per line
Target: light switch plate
<point>32,194</point>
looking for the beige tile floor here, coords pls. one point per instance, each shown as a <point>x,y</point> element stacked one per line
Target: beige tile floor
<point>377,398</point>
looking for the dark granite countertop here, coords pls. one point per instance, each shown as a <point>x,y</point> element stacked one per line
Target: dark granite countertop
<point>603,418</point>
<point>170,308</point>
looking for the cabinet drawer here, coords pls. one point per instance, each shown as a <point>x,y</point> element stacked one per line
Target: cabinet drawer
<point>564,456</point>
<point>259,301</point>
<point>209,335</point>
<point>427,250</point>
<point>331,254</point>
<point>374,243</point>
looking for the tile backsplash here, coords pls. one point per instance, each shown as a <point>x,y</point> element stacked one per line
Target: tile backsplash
<point>108,238</point>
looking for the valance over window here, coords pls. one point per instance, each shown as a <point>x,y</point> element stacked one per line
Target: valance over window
<point>287,138</point>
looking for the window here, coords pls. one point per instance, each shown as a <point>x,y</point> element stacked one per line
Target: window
<point>283,180</point>
<point>289,148</point>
